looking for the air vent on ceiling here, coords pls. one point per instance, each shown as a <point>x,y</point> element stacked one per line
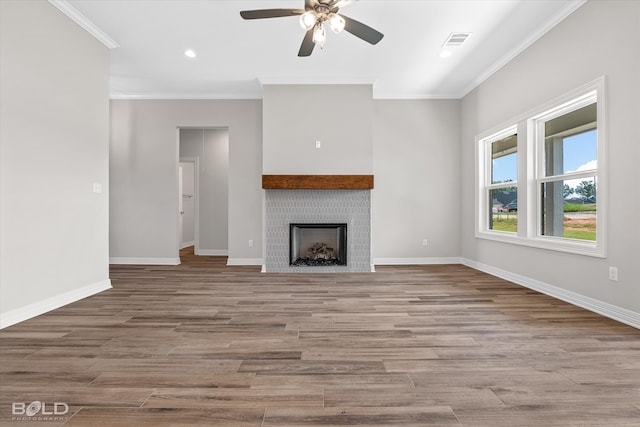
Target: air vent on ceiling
<point>455,39</point>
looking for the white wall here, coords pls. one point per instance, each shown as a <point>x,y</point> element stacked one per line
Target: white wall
<point>296,116</point>
<point>416,158</point>
<point>600,38</point>
<point>211,147</point>
<point>416,168</point>
<point>144,175</point>
<point>54,146</point>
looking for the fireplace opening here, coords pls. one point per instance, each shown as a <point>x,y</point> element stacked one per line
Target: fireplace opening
<point>317,245</point>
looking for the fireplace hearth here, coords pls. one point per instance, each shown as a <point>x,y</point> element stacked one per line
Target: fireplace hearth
<point>317,245</point>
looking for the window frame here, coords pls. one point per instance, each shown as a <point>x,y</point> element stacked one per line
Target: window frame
<point>486,184</point>
<point>531,176</point>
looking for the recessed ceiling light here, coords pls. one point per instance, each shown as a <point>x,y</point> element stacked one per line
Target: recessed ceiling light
<point>445,54</point>
<point>189,53</point>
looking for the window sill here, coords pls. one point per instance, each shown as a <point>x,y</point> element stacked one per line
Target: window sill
<point>576,247</point>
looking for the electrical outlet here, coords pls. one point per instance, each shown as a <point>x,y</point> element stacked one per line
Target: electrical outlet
<point>613,274</point>
<point>424,242</point>
<point>251,243</point>
<point>318,144</point>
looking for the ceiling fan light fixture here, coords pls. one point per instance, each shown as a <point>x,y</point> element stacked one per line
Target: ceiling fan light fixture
<point>336,22</point>
<point>312,19</point>
<point>319,36</point>
<point>308,20</point>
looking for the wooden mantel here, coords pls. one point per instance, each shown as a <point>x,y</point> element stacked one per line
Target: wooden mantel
<point>317,182</point>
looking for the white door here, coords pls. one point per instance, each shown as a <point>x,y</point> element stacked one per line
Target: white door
<point>188,203</point>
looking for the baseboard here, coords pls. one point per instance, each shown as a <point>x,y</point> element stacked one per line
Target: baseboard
<point>611,311</point>
<point>213,252</point>
<point>144,261</point>
<point>417,261</point>
<point>37,308</point>
<point>187,244</point>
<point>245,261</point>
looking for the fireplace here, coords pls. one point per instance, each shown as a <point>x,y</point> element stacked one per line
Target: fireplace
<point>317,245</point>
<point>284,207</point>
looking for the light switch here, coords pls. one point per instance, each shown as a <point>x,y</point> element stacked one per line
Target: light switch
<point>318,144</point>
<point>97,187</point>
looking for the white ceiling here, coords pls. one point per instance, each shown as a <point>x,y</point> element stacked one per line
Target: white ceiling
<point>235,57</point>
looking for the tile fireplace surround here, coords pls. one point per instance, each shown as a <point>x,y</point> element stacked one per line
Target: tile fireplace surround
<point>286,206</point>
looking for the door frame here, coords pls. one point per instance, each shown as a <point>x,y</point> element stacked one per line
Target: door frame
<point>196,160</point>
<point>196,201</point>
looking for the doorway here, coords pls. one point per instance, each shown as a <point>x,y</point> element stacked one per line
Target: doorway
<point>205,152</point>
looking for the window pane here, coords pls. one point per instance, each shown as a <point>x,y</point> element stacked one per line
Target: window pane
<point>569,213</point>
<point>504,160</point>
<point>571,142</point>
<point>503,209</point>
<point>581,151</point>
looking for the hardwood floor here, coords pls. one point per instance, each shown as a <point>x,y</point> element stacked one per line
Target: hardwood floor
<point>206,344</point>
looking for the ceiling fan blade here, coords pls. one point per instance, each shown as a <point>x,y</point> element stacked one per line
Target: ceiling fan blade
<point>307,44</point>
<point>341,3</point>
<point>270,13</point>
<point>361,30</point>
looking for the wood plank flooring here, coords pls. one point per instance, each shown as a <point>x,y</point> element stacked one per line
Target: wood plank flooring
<point>206,344</point>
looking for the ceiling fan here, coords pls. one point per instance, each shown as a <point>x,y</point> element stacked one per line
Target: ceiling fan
<point>312,19</point>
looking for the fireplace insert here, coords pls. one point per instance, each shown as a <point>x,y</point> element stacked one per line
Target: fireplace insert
<point>317,245</point>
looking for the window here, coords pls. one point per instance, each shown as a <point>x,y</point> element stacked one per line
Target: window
<point>566,141</point>
<point>562,199</point>
<point>500,189</point>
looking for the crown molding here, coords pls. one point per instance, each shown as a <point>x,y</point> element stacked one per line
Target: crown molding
<point>187,96</point>
<point>504,60</point>
<point>85,23</point>
<point>303,80</point>
<point>258,95</point>
<point>390,96</point>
